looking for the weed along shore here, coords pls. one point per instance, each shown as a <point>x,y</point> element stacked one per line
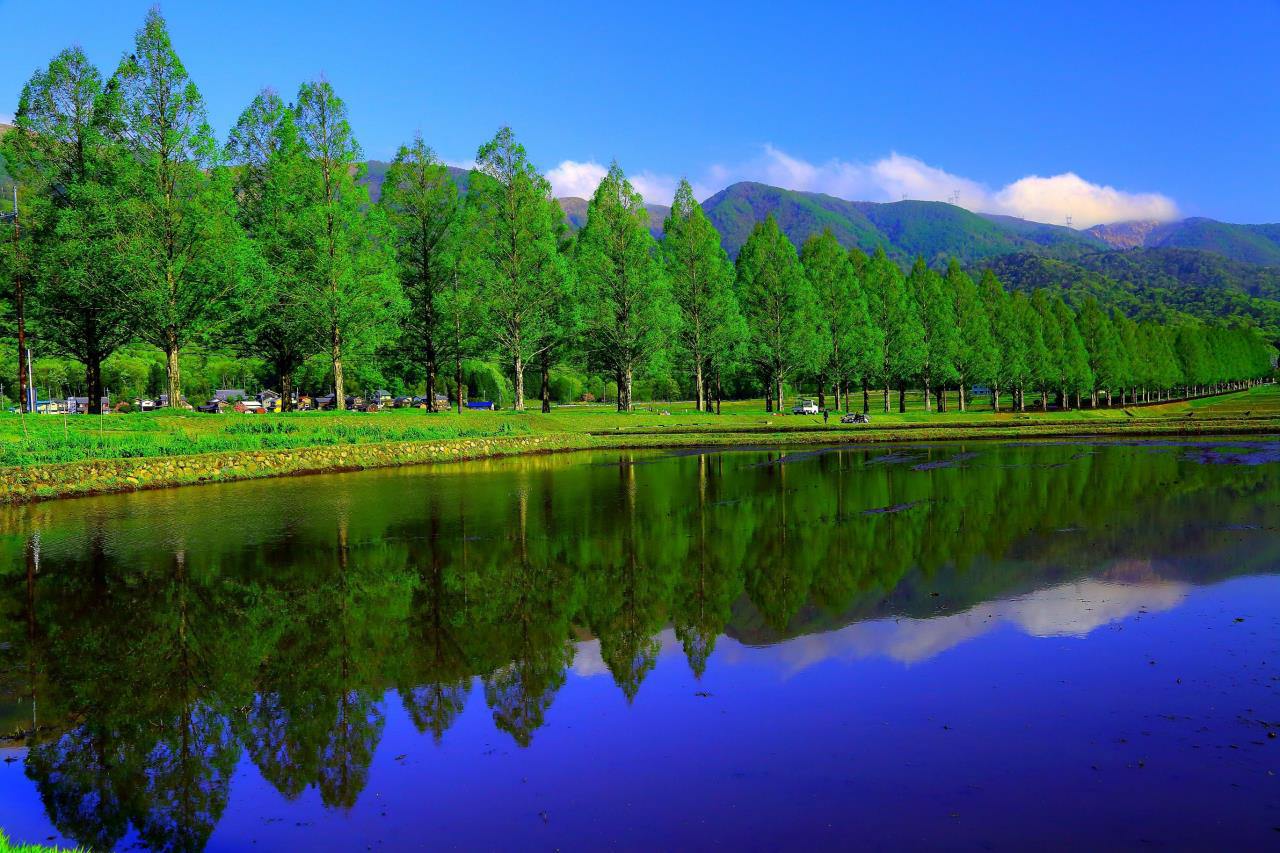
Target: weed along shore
<point>100,476</point>
<point>82,456</point>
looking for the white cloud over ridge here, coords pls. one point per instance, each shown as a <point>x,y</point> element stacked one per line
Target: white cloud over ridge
<point>574,178</point>
<point>1041,199</point>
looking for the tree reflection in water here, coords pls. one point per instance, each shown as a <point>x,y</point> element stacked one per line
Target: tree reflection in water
<point>274,623</point>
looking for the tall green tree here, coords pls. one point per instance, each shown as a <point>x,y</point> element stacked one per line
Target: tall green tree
<point>272,171</point>
<point>866,337</point>
<point>893,311</point>
<point>975,353</point>
<point>628,308</point>
<point>1103,348</point>
<point>1031,362</point>
<point>421,200</point>
<point>351,289</point>
<point>1011,356</point>
<point>184,250</point>
<point>72,180</point>
<point>701,279</point>
<point>840,310</point>
<point>778,305</point>
<point>511,252</point>
<point>936,315</point>
<point>1074,361</point>
<point>1053,368</point>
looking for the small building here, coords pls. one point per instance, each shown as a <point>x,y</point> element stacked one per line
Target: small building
<point>80,405</point>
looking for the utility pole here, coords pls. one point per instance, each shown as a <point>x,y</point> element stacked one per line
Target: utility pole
<point>19,300</point>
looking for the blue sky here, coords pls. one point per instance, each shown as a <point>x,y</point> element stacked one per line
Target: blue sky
<point>1108,111</point>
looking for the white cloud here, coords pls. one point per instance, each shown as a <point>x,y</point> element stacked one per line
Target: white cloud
<point>897,176</point>
<point>575,178</point>
<point>572,178</point>
<point>1053,199</point>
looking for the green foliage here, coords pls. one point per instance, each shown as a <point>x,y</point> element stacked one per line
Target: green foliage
<point>421,201</point>
<point>350,293</point>
<point>511,255</point>
<point>701,280</point>
<point>893,310</point>
<point>184,256</point>
<point>841,309</point>
<point>936,315</point>
<point>778,306</point>
<point>627,311</point>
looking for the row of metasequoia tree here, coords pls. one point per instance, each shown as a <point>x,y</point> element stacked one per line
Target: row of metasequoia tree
<point>140,227</point>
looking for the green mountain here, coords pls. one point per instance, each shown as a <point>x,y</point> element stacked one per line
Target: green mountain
<point>1255,244</point>
<point>932,229</point>
<point>1154,283</point>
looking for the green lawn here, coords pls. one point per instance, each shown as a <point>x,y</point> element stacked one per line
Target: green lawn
<point>51,439</point>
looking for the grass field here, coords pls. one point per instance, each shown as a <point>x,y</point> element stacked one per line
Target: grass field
<point>54,439</point>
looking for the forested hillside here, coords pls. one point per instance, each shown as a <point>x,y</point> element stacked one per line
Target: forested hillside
<point>1149,283</point>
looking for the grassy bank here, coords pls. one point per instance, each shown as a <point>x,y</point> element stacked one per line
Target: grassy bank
<point>7,846</point>
<point>51,456</point>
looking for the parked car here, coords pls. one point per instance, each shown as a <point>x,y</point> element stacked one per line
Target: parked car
<point>805,407</point>
<point>855,418</point>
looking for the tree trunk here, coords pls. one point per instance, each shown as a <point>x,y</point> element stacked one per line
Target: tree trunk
<point>286,390</point>
<point>886,398</point>
<point>339,386</point>
<point>624,393</point>
<point>431,374</point>
<point>960,396</point>
<point>822,393</point>
<point>172,377</point>
<point>1044,398</point>
<point>93,379</point>
<point>902,399</point>
<point>778,393</point>
<point>460,390</point>
<point>717,392</point>
<point>928,405</point>
<point>698,387</point>
<point>517,367</point>
<point>546,381</point>
<point>995,397</point>
<point>19,304</point>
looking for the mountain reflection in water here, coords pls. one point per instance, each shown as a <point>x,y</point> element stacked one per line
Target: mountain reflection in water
<point>154,643</point>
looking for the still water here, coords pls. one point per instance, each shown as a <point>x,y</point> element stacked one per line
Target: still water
<point>1068,645</point>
